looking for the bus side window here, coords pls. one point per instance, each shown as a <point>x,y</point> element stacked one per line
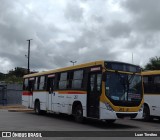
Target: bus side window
<point>150,84</point>
<point>31,84</point>
<point>157,83</point>
<point>50,84</point>
<point>145,82</point>
<point>25,84</point>
<point>63,80</point>
<point>36,84</point>
<point>77,82</point>
<point>41,83</point>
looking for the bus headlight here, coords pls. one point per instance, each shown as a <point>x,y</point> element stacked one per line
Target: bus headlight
<point>108,107</point>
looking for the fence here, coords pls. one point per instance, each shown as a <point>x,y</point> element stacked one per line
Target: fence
<point>10,94</point>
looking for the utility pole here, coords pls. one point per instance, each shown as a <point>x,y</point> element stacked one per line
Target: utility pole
<point>73,62</point>
<point>132,57</point>
<point>28,55</point>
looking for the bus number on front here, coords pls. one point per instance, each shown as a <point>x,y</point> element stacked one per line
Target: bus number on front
<point>123,110</point>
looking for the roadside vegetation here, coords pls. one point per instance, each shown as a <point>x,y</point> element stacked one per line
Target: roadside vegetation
<point>153,64</point>
<point>13,76</point>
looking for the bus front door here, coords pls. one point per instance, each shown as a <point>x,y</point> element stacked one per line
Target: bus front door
<point>93,96</point>
<point>50,97</point>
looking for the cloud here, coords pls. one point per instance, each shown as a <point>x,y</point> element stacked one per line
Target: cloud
<point>119,29</point>
<point>83,30</point>
<point>17,25</point>
<point>73,12</point>
<point>145,14</point>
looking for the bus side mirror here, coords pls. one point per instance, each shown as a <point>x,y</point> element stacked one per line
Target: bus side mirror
<point>104,76</point>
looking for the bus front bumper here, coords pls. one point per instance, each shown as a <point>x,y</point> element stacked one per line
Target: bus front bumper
<point>107,115</point>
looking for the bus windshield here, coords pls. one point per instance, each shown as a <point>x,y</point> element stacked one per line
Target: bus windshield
<point>123,87</point>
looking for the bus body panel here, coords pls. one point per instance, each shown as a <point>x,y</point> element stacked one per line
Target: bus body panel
<point>152,91</point>
<point>63,102</point>
<point>58,102</point>
<point>27,99</point>
<point>153,101</point>
<point>106,114</point>
<point>139,114</point>
<point>41,96</point>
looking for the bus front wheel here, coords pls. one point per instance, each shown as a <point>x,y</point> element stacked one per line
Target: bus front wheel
<point>37,108</point>
<point>146,113</point>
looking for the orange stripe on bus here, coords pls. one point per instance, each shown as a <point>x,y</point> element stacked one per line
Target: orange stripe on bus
<point>27,93</point>
<point>72,92</point>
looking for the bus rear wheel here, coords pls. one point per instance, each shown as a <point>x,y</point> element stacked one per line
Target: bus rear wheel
<point>78,114</point>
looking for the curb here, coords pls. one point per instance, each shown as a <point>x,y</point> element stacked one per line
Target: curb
<point>15,108</point>
<point>12,106</point>
<point>20,110</point>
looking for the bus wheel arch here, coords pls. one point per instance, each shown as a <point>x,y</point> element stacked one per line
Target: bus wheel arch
<point>77,111</point>
<point>37,108</point>
<point>146,112</point>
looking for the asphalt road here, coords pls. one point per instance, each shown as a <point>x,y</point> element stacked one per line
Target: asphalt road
<point>22,121</point>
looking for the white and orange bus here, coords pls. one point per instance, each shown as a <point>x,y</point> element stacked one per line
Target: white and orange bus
<point>151,81</point>
<point>104,90</point>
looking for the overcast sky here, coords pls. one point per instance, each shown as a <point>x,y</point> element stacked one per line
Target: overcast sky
<point>77,30</point>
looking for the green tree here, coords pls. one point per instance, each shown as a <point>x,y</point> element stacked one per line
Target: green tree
<point>13,79</point>
<point>153,64</point>
<point>14,76</point>
<point>18,72</point>
<point>2,76</point>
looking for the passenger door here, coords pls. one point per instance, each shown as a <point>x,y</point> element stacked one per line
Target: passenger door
<point>50,89</point>
<point>93,96</point>
<point>31,89</point>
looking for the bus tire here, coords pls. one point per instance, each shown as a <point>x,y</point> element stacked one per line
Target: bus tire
<point>146,113</point>
<point>37,108</point>
<point>78,113</point>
